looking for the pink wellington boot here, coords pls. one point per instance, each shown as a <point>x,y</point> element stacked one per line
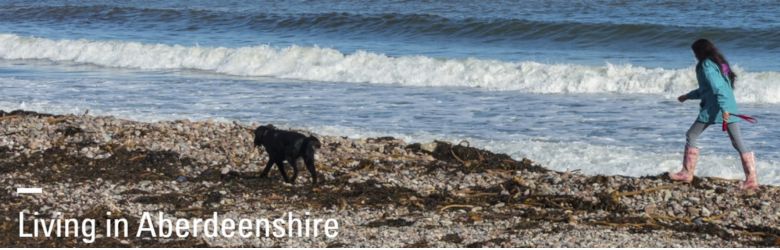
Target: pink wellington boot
<point>689,165</point>
<point>749,165</point>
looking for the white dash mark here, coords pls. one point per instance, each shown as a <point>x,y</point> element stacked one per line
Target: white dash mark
<point>29,190</point>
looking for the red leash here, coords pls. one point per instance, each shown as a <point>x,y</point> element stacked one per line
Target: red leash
<point>747,118</point>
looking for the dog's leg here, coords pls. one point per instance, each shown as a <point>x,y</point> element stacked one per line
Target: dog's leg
<point>280,163</point>
<point>294,165</point>
<point>309,160</point>
<point>268,166</point>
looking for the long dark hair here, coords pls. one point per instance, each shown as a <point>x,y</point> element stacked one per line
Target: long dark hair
<point>704,49</point>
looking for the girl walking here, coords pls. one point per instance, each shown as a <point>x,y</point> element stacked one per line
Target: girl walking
<point>718,106</point>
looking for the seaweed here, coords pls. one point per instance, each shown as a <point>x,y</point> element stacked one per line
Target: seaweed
<point>123,166</point>
<point>390,223</point>
<point>487,243</point>
<point>452,238</point>
<point>478,160</point>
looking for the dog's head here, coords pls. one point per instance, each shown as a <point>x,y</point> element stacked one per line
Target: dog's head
<point>261,132</point>
<point>314,141</point>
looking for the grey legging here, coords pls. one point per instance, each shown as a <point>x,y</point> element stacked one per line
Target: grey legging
<point>733,128</point>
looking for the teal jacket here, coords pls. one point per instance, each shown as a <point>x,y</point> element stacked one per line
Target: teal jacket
<point>715,93</point>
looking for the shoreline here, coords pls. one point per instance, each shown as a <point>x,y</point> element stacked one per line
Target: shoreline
<point>383,191</point>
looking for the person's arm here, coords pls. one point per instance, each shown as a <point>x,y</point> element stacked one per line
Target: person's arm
<point>693,95</point>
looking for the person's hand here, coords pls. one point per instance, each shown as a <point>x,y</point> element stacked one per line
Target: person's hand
<point>726,116</point>
<point>682,98</point>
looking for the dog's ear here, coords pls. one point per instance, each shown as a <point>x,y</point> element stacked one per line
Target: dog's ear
<point>314,141</point>
<point>263,130</point>
<point>260,132</point>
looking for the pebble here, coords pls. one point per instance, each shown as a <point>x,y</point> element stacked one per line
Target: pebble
<point>705,212</point>
<point>677,208</point>
<point>693,211</point>
<point>667,195</point>
<point>228,147</point>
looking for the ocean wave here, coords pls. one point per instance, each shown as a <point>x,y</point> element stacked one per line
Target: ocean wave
<point>410,26</point>
<point>329,65</point>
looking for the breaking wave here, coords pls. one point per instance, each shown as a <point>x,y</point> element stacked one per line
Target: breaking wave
<point>330,65</point>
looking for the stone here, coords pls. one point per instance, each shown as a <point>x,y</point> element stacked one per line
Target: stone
<point>666,195</point>
<point>677,208</point>
<point>693,211</point>
<point>428,147</point>
<point>705,212</point>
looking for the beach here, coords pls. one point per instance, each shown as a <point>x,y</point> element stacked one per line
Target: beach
<point>538,123</point>
<point>586,86</point>
<point>383,192</point>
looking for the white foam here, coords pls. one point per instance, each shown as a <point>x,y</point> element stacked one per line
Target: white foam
<point>324,64</point>
<point>588,158</point>
<point>613,160</point>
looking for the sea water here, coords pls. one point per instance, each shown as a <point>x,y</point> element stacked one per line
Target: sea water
<point>587,86</point>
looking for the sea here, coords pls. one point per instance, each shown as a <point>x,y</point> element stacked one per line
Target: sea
<point>585,86</point>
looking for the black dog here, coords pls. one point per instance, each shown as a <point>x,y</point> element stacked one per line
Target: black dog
<point>284,145</point>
